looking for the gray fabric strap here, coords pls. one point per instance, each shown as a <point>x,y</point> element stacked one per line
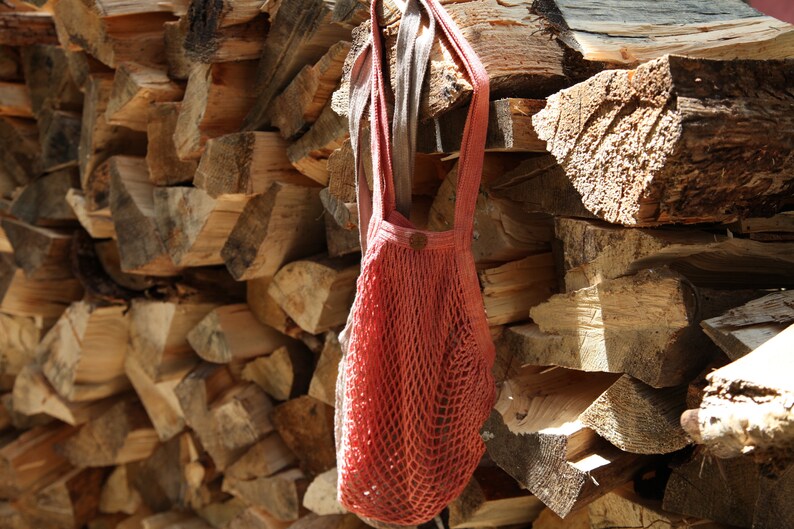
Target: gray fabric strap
<point>413,53</point>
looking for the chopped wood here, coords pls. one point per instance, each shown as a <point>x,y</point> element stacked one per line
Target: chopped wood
<point>69,501</point>
<point>135,87</point>
<point>627,33</point>
<point>276,227</point>
<point>179,65</point>
<point>264,458</point>
<point>303,100</point>
<point>231,332</point>
<point>316,294</point>
<point>283,374</point>
<point>323,383</point>
<point>98,223</point>
<point>320,497</point>
<point>133,210</point>
<point>193,226</point>
<point>165,167</point>
<point>42,298</point>
<point>27,461</point>
<point>158,397</point>
<point>206,44</point>
<point>657,109</point>
<point>307,427</point>
<point>535,435</point>
<point>118,494</point>
<point>132,33</point>
<point>21,137</point>
<point>746,407</point>
<point>281,495</point>
<point>216,100</point>
<point>493,499</point>
<point>594,251</point>
<point>27,28</point>
<point>43,201</point>
<point>49,79</point>
<point>503,232</point>
<point>638,418</point>
<point>246,163</point>
<point>83,354</point>
<point>743,329</point>
<point>98,139</point>
<point>255,518</point>
<point>122,434</point>
<point>510,290</point>
<point>10,63</point>
<point>59,136</point>
<point>43,253</point>
<point>298,37</point>
<point>19,336</point>
<point>309,154</point>
<point>267,311</point>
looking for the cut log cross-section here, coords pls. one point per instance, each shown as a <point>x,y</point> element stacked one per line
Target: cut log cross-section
<point>641,148</point>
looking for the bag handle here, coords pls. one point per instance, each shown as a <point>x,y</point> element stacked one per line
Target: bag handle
<point>379,205</point>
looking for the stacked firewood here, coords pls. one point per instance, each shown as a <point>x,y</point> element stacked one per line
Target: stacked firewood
<point>180,248</point>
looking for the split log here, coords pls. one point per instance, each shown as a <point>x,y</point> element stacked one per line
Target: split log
<point>19,336</point>
<point>98,223</point>
<point>281,225</point>
<point>122,434</point>
<point>302,101</point>
<point>649,114</point>
<point>281,495</point>
<point>264,458</point>
<point>515,49</point>
<point>10,515</point>
<point>221,513</point>
<point>334,521</point>
<point>298,36</point>
<point>638,418</point>
<point>42,253</point>
<point>744,329</point>
<point>594,251</point>
<point>541,186</point>
<point>118,494</point>
<point>11,68</point>
<point>114,33</point>
<point>159,398</point>
<point>510,290</point>
<point>33,394</point>
<point>135,87</point>
<point>267,311</point>
<point>82,65</point>
<point>15,100</point>
<point>98,139</point>
<point>342,238</point>
<point>42,298</point>
<point>746,407</point>
<point>21,137</point>
<point>59,136</point>
<point>161,480</point>
<point>49,79</point>
<point>509,129</point>
<point>159,335</point>
<point>193,226</point>
<point>622,33</point>
<point>493,499</point>
<point>644,325</point>
<point>69,501</point>
<point>28,461</point>
<point>206,41</point>
<point>165,167</point>
<point>179,65</point>
<point>255,518</point>
<point>503,232</point>
<point>321,497</point>
<point>43,201</point>
<point>720,490</point>
<point>133,209</point>
<point>307,427</point>
<point>27,28</point>
<point>83,354</point>
<point>283,374</point>
<point>246,163</point>
<point>216,100</point>
<point>231,333</point>
<point>227,418</point>
<point>317,294</point>
<point>323,384</point>
<point>535,435</point>
<point>309,154</point>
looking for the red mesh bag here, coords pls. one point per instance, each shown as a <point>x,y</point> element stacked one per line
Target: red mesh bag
<point>415,383</point>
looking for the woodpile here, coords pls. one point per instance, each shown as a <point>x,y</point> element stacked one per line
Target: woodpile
<point>179,251</point>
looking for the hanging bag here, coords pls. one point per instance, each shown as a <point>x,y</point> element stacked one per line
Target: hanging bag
<point>415,382</point>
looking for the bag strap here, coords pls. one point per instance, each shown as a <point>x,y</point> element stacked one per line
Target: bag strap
<point>383,197</point>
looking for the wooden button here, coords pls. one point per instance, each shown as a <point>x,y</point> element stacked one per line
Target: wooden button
<point>418,241</point>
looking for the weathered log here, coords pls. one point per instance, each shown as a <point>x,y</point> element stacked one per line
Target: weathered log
<point>165,167</point>
<point>280,495</point>
<point>27,28</point>
<point>307,427</point>
<point>660,120</point>
<point>59,136</point>
<point>264,458</point>
<point>309,154</point>
<point>284,374</point>
<point>19,136</point>
<point>209,40</point>
<point>43,253</point>
<point>179,65</point>
<point>49,79</point>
